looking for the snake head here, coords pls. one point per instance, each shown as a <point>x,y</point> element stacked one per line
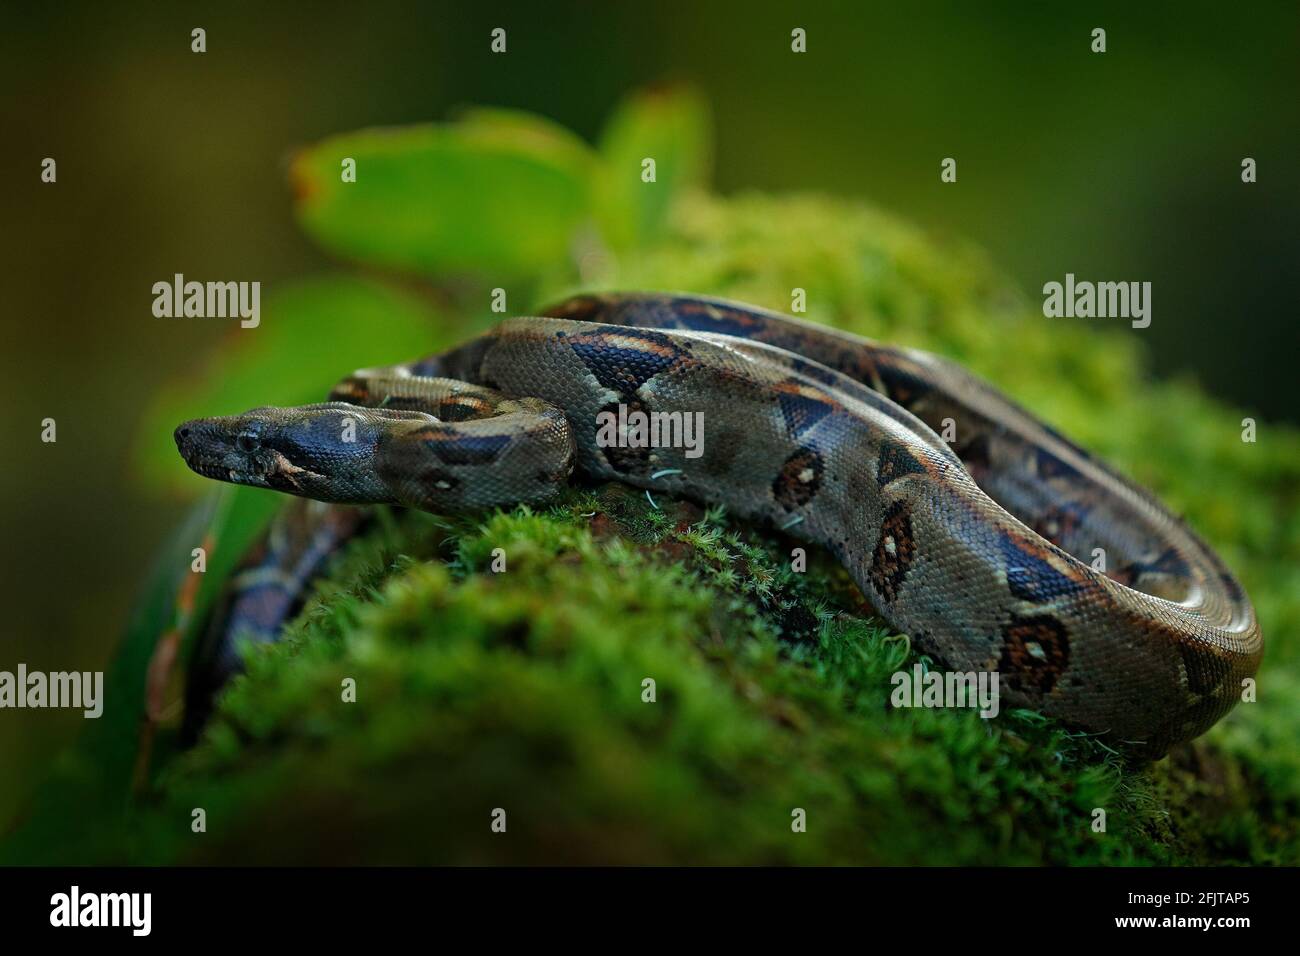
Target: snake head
<point>325,451</point>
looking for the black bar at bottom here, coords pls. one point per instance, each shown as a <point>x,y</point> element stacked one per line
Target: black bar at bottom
<point>331,905</point>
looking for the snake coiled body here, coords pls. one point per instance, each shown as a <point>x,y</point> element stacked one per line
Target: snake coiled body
<point>984,550</point>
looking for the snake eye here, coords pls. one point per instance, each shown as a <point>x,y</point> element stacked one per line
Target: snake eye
<point>246,443</point>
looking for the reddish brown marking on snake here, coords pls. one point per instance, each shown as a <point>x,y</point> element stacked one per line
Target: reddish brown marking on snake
<point>634,459</point>
<point>461,408</point>
<point>798,480</point>
<point>895,550</point>
<point>1035,653</point>
<point>435,433</point>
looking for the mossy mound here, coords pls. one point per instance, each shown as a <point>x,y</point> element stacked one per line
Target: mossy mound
<point>523,690</point>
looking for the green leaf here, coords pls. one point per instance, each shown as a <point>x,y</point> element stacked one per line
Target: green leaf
<point>100,769</point>
<point>669,126</point>
<point>499,191</point>
<point>313,332</point>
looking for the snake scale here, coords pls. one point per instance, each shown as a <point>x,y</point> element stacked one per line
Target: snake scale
<point>982,549</point>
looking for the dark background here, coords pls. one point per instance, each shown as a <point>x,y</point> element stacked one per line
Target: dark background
<point>1122,166</point>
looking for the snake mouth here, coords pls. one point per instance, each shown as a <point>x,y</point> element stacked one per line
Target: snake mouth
<point>219,470</point>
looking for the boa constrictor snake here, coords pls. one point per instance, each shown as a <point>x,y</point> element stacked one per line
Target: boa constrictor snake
<point>981,550</point>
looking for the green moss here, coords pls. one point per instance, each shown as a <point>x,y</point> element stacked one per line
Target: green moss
<point>523,690</point>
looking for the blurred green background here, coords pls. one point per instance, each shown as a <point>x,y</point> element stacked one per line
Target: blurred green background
<point>1122,166</point>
